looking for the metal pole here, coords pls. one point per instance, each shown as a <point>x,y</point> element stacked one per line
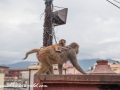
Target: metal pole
<point>47,35</point>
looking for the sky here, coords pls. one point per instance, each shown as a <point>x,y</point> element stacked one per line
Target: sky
<point>93,24</point>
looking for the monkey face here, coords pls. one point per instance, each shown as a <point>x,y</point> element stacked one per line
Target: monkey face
<point>62,42</point>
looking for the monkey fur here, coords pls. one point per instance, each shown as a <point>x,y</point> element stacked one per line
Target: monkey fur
<point>48,56</point>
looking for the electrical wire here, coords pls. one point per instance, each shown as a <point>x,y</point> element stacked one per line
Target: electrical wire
<point>56,29</point>
<point>53,33</point>
<point>116,1</point>
<point>41,15</point>
<point>53,29</point>
<point>113,4</point>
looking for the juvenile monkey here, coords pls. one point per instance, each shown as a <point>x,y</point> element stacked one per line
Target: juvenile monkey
<point>60,46</point>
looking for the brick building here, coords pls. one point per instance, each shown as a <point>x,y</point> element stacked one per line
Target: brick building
<point>5,70</point>
<point>17,73</point>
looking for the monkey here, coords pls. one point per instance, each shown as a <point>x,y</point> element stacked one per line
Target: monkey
<point>48,56</point>
<point>60,46</point>
<point>57,47</point>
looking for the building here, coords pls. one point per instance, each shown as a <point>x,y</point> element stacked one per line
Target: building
<point>18,73</point>
<point>32,70</point>
<point>70,69</point>
<point>115,66</point>
<point>17,77</point>
<point>55,67</point>
<point>5,70</point>
<point>102,68</point>
<point>1,81</point>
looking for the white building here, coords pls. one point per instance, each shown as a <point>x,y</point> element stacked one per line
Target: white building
<point>1,81</point>
<point>32,70</point>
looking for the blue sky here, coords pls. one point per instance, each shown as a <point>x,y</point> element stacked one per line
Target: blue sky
<point>93,24</point>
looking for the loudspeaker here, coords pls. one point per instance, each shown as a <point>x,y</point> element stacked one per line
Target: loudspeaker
<point>59,17</point>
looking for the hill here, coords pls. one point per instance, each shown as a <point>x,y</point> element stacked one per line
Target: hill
<point>85,64</point>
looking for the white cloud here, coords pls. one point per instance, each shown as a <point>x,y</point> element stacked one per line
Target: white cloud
<point>93,24</point>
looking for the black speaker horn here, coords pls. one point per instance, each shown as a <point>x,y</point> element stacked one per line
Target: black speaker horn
<point>59,17</point>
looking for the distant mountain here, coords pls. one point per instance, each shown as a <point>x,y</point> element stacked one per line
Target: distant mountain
<point>85,64</point>
<point>19,65</point>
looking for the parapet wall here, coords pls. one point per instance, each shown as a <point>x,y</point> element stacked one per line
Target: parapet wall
<point>77,82</point>
<point>101,78</point>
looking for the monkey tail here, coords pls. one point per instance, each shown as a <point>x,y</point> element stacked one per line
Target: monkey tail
<point>30,52</point>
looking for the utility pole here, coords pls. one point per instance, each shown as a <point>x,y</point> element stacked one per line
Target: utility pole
<point>47,35</point>
<point>52,19</point>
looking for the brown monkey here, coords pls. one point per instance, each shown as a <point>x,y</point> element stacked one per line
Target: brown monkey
<point>57,47</point>
<point>48,56</point>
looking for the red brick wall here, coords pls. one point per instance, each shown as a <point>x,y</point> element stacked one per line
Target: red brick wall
<point>5,70</point>
<point>77,82</point>
<point>15,74</point>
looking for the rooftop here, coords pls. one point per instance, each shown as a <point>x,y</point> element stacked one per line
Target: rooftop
<point>19,69</point>
<point>4,67</point>
<point>102,67</point>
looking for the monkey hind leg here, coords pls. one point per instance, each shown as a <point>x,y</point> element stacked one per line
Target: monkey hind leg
<point>60,67</point>
<point>43,69</point>
<point>51,70</point>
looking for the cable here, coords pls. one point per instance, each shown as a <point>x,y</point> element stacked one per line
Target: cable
<point>53,32</point>
<point>56,29</point>
<point>117,1</point>
<point>113,4</point>
<point>41,15</point>
<point>57,19</point>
